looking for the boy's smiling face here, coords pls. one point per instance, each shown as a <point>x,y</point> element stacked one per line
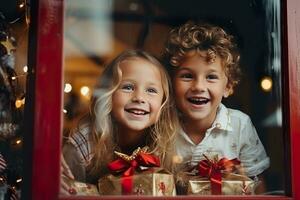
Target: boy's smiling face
<point>199,88</point>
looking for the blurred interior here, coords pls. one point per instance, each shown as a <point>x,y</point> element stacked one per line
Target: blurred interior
<point>96,31</point>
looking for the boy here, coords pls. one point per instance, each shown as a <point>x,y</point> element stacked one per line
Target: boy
<point>203,62</point>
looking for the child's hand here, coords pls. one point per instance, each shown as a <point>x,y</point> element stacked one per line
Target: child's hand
<point>65,189</point>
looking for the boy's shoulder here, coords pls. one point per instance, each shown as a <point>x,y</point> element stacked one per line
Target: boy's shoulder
<point>237,114</point>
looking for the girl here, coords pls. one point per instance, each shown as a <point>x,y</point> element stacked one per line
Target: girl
<point>131,108</point>
<point>203,62</point>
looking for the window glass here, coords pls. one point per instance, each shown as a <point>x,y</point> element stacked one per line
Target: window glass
<point>96,31</point>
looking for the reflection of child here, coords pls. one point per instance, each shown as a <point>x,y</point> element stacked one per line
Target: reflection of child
<point>131,109</point>
<point>204,64</point>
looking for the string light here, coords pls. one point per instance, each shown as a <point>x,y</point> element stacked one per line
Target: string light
<point>21,5</point>
<point>18,76</point>
<point>266,84</point>
<point>18,103</point>
<point>65,111</point>
<point>84,90</point>
<point>19,180</point>
<point>25,69</point>
<point>18,141</point>
<point>68,88</point>
<point>27,12</point>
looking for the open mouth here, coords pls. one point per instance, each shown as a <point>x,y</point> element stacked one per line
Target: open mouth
<point>137,111</point>
<point>198,100</point>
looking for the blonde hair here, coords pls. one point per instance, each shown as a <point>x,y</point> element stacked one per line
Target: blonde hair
<point>161,134</point>
<point>203,38</point>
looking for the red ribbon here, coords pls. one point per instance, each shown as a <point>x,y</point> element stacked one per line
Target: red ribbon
<point>127,168</point>
<point>213,170</point>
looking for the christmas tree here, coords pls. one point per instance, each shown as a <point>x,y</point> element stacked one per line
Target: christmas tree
<point>11,115</point>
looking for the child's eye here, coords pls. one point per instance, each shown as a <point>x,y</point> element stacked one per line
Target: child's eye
<point>212,76</point>
<point>152,90</point>
<point>186,76</point>
<point>127,87</point>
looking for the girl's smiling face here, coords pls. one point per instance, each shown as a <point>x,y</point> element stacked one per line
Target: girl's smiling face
<point>199,87</point>
<point>137,101</point>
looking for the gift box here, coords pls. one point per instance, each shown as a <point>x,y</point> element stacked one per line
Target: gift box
<point>154,182</point>
<point>138,174</point>
<point>232,184</point>
<point>79,188</point>
<point>213,176</point>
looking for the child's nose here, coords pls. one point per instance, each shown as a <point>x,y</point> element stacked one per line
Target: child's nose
<point>199,85</point>
<point>138,97</point>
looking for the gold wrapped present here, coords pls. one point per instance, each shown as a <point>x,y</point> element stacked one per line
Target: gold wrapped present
<point>138,174</point>
<point>214,176</point>
<point>79,188</point>
<point>232,184</point>
<point>155,182</point>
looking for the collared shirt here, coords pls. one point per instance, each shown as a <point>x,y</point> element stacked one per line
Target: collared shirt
<point>232,135</point>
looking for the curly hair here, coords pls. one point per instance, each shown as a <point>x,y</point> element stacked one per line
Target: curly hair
<point>203,38</point>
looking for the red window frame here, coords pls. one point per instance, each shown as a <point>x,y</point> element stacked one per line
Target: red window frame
<point>46,100</point>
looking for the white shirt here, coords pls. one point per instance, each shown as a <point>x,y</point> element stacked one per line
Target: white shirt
<point>232,135</point>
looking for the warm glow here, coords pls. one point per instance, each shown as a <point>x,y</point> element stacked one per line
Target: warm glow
<point>65,111</point>
<point>84,90</point>
<point>68,88</point>
<point>18,103</point>
<point>18,141</point>
<point>19,180</point>
<point>25,68</point>
<point>13,78</point>
<point>21,5</point>
<point>266,84</point>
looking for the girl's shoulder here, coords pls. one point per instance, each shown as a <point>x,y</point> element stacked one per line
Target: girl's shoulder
<point>80,135</point>
<point>81,139</point>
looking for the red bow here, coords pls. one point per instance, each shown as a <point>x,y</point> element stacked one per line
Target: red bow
<point>213,170</point>
<point>128,166</point>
